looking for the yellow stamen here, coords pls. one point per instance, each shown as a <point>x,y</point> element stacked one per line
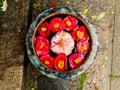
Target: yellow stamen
<point>43,29</point>
<point>61,64</point>
<point>61,42</point>
<point>64,33</point>
<point>68,23</point>
<point>79,34</point>
<point>56,25</point>
<point>46,62</point>
<point>77,60</point>
<point>41,45</point>
<point>84,47</point>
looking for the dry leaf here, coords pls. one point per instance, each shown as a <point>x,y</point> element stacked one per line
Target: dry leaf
<point>96,88</point>
<point>110,25</point>
<point>101,15</point>
<point>85,11</point>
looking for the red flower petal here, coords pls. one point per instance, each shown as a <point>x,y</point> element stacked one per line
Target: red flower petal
<point>61,62</point>
<point>56,24</point>
<point>70,23</point>
<point>44,29</point>
<point>53,4</point>
<point>42,46</point>
<point>75,60</point>
<point>48,61</point>
<point>83,47</point>
<point>80,33</point>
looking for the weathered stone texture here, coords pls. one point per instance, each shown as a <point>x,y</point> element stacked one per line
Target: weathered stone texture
<point>12,44</point>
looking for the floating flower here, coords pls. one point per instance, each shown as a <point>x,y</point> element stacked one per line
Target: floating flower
<point>80,33</point>
<point>75,60</point>
<point>56,24</point>
<point>61,62</point>
<point>42,46</point>
<point>48,61</point>
<point>44,29</point>
<point>70,23</point>
<point>4,6</point>
<point>62,42</point>
<point>83,47</point>
<point>53,4</point>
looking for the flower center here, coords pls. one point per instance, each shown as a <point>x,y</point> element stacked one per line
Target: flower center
<point>56,25</point>
<point>79,34</point>
<point>61,43</point>
<point>76,61</point>
<point>68,22</point>
<point>64,33</point>
<point>41,45</point>
<point>47,62</point>
<point>43,29</point>
<point>84,47</point>
<point>61,64</point>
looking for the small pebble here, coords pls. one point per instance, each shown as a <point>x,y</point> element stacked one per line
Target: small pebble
<point>68,2</point>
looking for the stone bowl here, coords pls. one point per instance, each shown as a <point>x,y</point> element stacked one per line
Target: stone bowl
<point>61,11</point>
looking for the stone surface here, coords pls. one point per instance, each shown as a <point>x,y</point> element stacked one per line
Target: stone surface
<point>45,83</point>
<point>13,30</point>
<point>115,84</point>
<point>116,41</point>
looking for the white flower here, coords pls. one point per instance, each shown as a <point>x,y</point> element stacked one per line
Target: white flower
<point>4,6</point>
<point>62,42</point>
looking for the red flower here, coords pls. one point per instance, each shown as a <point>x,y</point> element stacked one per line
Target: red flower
<point>42,46</point>
<point>48,61</point>
<point>53,4</point>
<point>61,62</point>
<point>44,29</point>
<point>75,60</point>
<point>70,23</point>
<point>83,47</point>
<point>56,24</point>
<point>80,33</point>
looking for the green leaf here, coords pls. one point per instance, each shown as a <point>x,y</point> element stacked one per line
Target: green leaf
<point>82,78</point>
<point>32,88</point>
<point>80,88</point>
<point>94,16</point>
<point>27,85</point>
<point>101,15</point>
<point>112,76</point>
<point>35,5</point>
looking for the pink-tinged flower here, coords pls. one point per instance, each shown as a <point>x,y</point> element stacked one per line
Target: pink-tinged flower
<point>44,29</point>
<point>83,47</point>
<point>56,24</point>
<point>48,61</point>
<point>53,4</point>
<point>61,62</point>
<point>75,60</point>
<point>70,23</point>
<point>42,46</point>
<point>80,33</point>
<point>62,42</point>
